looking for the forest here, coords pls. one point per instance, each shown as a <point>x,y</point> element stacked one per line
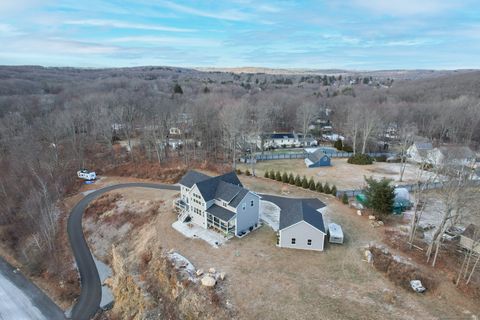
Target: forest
<point>54,121</point>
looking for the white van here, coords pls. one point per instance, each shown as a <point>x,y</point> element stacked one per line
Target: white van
<point>86,175</point>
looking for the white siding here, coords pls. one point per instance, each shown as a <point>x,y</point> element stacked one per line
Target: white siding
<point>302,232</point>
<point>198,219</point>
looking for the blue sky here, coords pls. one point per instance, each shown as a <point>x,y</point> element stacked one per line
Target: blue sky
<point>348,34</point>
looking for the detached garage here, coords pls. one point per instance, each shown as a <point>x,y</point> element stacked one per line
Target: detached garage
<point>301,225</point>
<point>317,159</point>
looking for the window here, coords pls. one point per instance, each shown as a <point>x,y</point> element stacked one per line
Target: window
<point>294,240</point>
<point>309,242</point>
<point>244,206</point>
<point>251,203</point>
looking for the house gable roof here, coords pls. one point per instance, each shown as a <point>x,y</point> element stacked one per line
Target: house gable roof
<point>423,145</point>
<point>297,210</point>
<point>192,177</point>
<point>282,136</point>
<point>238,198</point>
<point>208,188</point>
<point>316,156</point>
<point>457,152</point>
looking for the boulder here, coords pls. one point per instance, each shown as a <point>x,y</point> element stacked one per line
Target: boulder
<point>370,217</point>
<point>222,276</point>
<point>208,281</point>
<point>359,212</point>
<point>199,272</point>
<point>380,223</point>
<point>368,256</point>
<point>211,270</point>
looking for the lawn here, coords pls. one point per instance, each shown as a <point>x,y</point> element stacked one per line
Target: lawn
<point>342,174</point>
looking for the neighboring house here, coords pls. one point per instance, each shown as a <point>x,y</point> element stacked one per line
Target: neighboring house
<point>470,238</point>
<point>277,140</point>
<point>419,151</point>
<point>452,155</point>
<point>220,203</point>
<point>301,225</point>
<point>308,141</point>
<point>317,159</point>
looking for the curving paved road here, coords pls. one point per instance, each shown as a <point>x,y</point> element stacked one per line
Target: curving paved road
<point>89,301</point>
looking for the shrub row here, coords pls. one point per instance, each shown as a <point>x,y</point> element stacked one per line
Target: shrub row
<point>361,159</point>
<point>301,182</point>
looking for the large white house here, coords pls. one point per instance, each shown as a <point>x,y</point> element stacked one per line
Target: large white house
<point>220,203</point>
<point>420,152</point>
<point>441,156</point>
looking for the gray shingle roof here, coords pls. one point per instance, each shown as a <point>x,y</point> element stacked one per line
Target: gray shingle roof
<point>192,177</point>
<point>423,145</point>
<point>208,188</point>
<point>238,198</point>
<point>221,212</point>
<point>227,191</point>
<point>316,156</point>
<point>295,210</point>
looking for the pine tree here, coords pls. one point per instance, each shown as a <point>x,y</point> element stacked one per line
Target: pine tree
<point>334,190</point>
<point>345,198</point>
<point>311,184</point>
<point>319,187</point>
<point>278,176</point>
<point>338,144</point>
<point>304,182</point>
<point>285,177</point>
<point>177,89</point>
<point>326,188</point>
<point>298,181</point>
<point>291,179</point>
<point>272,175</point>
<point>266,174</point>
<point>380,195</point>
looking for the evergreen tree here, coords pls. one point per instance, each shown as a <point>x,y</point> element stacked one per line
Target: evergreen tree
<point>278,176</point>
<point>304,182</point>
<point>298,181</point>
<point>319,187</point>
<point>272,175</point>
<point>338,144</point>
<point>345,198</point>
<point>311,184</point>
<point>284,177</point>
<point>177,89</point>
<point>291,179</point>
<point>334,191</point>
<point>247,172</point>
<point>266,174</point>
<point>380,195</point>
<point>326,188</point>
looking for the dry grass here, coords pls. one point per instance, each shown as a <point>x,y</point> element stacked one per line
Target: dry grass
<point>341,173</point>
<point>266,282</point>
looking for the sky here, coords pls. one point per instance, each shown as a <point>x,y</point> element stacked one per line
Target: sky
<point>345,34</point>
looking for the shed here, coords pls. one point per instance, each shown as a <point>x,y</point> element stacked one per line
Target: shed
<point>335,233</point>
<point>470,238</point>
<point>317,159</point>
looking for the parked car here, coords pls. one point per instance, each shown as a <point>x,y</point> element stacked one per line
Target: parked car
<point>417,286</point>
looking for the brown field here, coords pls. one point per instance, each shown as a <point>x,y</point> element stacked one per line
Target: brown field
<point>266,282</point>
<point>342,174</point>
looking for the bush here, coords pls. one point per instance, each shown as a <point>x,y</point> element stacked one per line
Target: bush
<point>319,187</point>
<point>382,158</point>
<point>247,173</point>
<point>266,174</point>
<point>347,148</point>
<point>177,89</point>
<point>345,198</point>
<point>278,176</point>
<point>285,177</point>
<point>361,159</point>
<point>291,179</point>
<point>333,191</point>
<point>326,188</point>
<point>271,175</point>
<point>298,181</point>
<point>311,184</point>
<point>338,144</point>
<point>304,182</point>
<point>238,171</point>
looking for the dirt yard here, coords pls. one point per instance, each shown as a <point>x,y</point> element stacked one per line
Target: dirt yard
<point>266,282</point>
<point>342,174</point>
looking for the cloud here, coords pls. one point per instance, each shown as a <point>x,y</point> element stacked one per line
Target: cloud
<point>7,30</point>
<point>407,7</point>
<point>124,25</point>
<point>232,15</point>
<point>189,42</point>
